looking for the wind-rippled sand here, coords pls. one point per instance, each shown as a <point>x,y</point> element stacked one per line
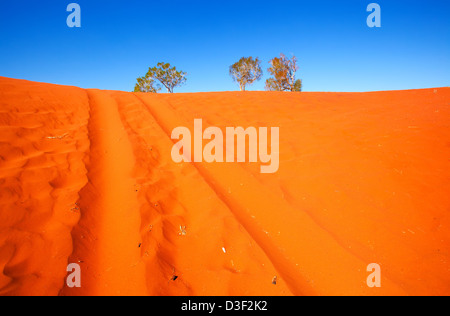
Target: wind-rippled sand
<point>86,176</point>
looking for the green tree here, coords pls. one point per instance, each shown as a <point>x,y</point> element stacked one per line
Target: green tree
<point>283,71</point>
<point>246,71</point>
<point>166,75</point>
<point>145,84</point>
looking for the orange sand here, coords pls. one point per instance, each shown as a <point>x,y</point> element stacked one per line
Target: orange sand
<point>86,176</point>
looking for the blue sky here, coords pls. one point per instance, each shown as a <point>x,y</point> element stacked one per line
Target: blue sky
<point>119,40</point>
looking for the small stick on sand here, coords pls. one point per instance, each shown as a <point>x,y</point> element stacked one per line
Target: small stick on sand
<point>182,231</point>
<point>274,280</point>
<point>58,137</point>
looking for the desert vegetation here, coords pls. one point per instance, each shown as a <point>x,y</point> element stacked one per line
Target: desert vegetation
<point>162,74</point>
<point>283,71</point>
<point>244,72</point>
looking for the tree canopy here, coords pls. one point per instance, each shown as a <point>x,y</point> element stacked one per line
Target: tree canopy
<point>283,71</point>
<point>246,71</point>
<point>166,75</point>
<point>145,84</point>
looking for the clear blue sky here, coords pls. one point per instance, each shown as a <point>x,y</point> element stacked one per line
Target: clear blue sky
<point>119,40</point>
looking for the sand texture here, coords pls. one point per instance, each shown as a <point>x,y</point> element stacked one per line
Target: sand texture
<point>87,177</point>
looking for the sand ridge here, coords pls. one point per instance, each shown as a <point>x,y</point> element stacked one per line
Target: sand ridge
<point>87,177</point>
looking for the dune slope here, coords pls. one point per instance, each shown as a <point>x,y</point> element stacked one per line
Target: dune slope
<point>87,177</point>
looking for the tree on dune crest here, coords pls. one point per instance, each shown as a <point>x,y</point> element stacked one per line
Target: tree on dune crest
<point>167,76</point>
<point>283,71</point>
<point>246,71</point>
<point>145,84</point>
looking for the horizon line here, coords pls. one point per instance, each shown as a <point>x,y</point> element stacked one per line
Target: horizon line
<point>226,91</point>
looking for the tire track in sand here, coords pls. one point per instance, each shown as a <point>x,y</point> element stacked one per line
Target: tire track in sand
<point>307,257</point>
<point>167,119</point>
<point>174,195</point>
<point>106,240</point>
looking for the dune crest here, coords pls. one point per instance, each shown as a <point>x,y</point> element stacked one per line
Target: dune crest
<point>87,177</point>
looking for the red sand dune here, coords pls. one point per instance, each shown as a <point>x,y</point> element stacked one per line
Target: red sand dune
<point>86,176</point>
